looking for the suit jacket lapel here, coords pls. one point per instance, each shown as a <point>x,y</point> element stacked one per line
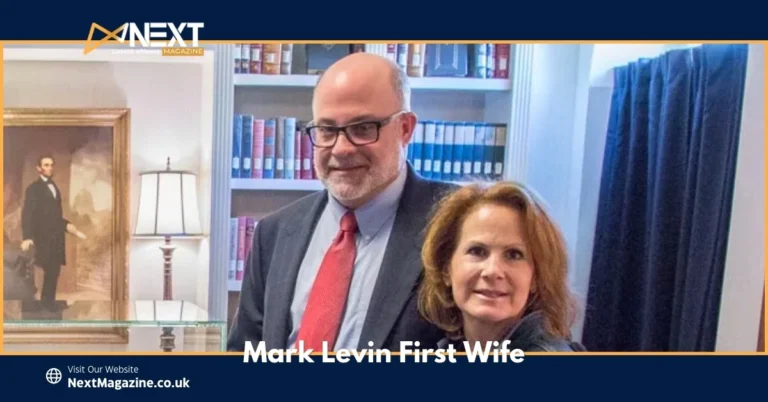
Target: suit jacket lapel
<point>290,246</point>
<point>401,266</point>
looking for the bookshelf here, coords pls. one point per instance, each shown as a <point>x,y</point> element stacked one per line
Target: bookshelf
<point>276,184</point>
<point>417,83</point>
<point>494,100</point>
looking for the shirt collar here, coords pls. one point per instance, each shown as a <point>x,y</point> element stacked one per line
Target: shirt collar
<point>45,179</point>
<point>372,215</point>
<point>531,322</point>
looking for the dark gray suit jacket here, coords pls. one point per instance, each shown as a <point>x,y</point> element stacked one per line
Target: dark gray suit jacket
<point>43,222</point>
<point>279,243</point>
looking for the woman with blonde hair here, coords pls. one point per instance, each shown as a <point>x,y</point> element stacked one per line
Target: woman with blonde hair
<point>496,269</point>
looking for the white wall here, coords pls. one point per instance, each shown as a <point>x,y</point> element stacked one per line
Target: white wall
<point>556,138</point>
<point>596,124</point>
<point>744,265</point>
<point>171,116</point>
<point>551,128</point>
<point>204,172</point>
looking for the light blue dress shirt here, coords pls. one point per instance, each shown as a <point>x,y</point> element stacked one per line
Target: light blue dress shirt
<point>374,221</point>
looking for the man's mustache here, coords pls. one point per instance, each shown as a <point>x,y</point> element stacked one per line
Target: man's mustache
<point>345,163</point>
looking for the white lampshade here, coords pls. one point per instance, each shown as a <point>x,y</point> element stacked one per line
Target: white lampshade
<point>168,204</point>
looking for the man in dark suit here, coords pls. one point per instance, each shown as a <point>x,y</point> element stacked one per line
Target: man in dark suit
<point>341,267</point>
<point>44,227</point>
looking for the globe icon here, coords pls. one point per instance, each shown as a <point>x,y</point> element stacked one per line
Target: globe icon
<point>53,375</point>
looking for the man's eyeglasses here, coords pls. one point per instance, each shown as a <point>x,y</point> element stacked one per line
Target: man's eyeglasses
<point>361,133</point>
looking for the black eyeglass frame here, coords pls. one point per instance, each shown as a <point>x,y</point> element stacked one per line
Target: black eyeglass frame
<point>379,124</point>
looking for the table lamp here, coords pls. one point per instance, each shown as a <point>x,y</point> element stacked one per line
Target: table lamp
<point>168,208</point>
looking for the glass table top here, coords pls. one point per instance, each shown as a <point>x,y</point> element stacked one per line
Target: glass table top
<point>95,313</point>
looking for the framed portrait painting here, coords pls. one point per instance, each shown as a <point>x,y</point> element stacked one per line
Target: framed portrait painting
<point>65,224</point>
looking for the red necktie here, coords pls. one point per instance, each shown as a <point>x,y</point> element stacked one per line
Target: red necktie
<point>325,308</point>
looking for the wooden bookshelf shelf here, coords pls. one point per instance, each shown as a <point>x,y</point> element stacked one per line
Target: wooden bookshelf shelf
<point>276,184</point>
<point>264,80</point>
<point>234,285</point>
<point>460,84</point>
<point>426,83</point>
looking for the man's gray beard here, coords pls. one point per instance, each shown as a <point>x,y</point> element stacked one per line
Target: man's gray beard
<point>349,191</point>
<point>374,179</point>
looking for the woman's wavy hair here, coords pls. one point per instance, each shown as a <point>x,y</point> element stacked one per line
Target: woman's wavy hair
<point>547,252</point>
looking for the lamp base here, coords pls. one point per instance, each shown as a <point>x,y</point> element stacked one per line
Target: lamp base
<point>167,250</point>
<point>167,340</point>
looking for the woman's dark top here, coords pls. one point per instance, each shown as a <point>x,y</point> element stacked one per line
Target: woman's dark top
<point>528,335</point>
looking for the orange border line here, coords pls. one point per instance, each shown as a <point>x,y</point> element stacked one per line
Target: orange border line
<point>765,209</point>
<point>2,142</point>
<point>240,354</point>
<point>452,41</point>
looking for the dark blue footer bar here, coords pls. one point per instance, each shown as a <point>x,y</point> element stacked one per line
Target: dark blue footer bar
<point>220,378</point>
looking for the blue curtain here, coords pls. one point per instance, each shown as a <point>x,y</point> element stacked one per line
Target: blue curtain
<point>665,201</point>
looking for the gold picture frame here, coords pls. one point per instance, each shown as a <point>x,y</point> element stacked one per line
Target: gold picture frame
<point>85,140</point>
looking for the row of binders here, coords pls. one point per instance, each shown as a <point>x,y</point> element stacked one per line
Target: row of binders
<point>483,60</point>
<point>458,151</point>
<point>241,229</point>
<point>270,148</point>
<point>275,148</point>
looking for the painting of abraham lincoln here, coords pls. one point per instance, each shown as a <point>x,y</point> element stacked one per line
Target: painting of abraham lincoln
<point>64,215</point>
